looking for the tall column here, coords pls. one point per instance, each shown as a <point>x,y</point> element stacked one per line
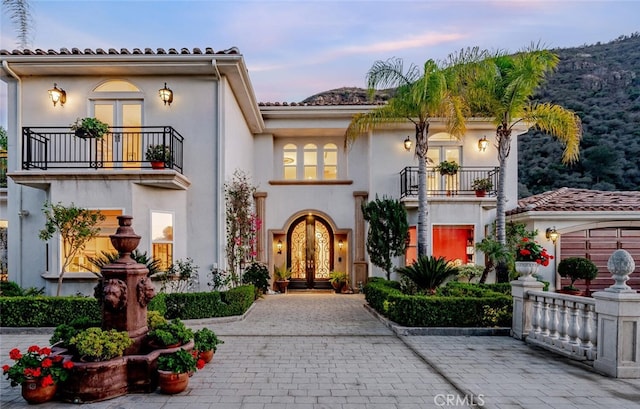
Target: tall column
<point>261,236</point>
<point>359,263</point>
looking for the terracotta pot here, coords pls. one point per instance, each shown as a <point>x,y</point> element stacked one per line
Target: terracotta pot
<point>172,383</point>
<point>481,193</point>
<point>206,356</point>
<point>34,393</point>
<point>157,164</point>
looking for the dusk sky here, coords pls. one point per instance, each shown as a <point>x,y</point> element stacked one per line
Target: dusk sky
<point>294,49</point>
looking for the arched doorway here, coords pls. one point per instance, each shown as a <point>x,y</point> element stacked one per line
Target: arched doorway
<point>310,252</point>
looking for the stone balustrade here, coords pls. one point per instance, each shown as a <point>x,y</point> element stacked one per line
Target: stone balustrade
<point>603,331</point>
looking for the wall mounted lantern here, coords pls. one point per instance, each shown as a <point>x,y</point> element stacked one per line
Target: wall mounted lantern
<point>279,246</point>
<point>166,95</point>
<point>340,245</point>
<point>482,144</point>
<point>57,95</point>
<point>552,234</point>
<point>407,144</point>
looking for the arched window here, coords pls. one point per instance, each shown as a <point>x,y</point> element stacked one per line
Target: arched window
<point>310,161</point>
<point>116,86</point>
<point>330,162</point>
<point>290,161</point>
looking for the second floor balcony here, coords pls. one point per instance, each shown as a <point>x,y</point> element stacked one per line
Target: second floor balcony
<point>448,185</point>
<point>121,148</point>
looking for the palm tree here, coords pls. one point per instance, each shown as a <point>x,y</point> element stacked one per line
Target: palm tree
<point>502,88</point>
<point>420,96</point>
<point>20,14</point>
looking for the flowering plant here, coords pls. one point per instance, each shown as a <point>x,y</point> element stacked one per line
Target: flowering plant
<point>180,361</point>
<point>37,364</point>
<point>529,250</point>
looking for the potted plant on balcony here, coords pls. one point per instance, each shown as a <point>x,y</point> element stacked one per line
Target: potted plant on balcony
<point>89,128</point>
<point>174,370</point>
<point>577,268</point>
<point>448,168</point>
<point>481,185</point>
<point>158,155</point>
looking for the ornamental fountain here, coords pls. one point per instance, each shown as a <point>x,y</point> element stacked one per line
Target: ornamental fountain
<point>123,294</point>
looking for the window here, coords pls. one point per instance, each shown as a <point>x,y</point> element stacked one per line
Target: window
<point>162,238</point>
<point>330,162</point>
<point>290,161</point>
<point>310,162</point>
<point>97,245</point>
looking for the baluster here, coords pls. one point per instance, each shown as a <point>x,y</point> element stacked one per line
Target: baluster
<point>564,323</point>
<point>553,321</point>
<point>535,317</point>
<point>544,330</point>
<point>585,331</point>
<point>594,332</point>
<point>574,325</point>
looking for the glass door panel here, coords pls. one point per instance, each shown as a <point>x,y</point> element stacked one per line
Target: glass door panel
<point>120,148</point>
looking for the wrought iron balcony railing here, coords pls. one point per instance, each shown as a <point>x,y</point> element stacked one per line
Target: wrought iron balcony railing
<point>448,185</point>
<point>3,169</point>
<point>121,148</point>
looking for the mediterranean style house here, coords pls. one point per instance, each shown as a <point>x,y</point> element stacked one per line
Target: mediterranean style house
<point>200,103</point>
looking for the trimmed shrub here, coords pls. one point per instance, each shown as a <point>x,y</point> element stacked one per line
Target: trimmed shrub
<point>465,309</point>
<point>45,311</point>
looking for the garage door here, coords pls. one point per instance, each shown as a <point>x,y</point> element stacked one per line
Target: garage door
<point>597,245</point>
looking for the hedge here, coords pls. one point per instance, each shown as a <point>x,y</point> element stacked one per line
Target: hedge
<point>52,311</point>
<point>45,311</point>
<point>466,307</point>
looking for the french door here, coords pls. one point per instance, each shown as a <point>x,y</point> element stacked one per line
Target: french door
<point>310,252</point>
<point>123,147</point>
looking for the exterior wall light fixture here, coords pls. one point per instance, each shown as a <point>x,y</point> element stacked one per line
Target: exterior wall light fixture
<point>407,144</point>
<point>482,144</point>
<point>552,234</point>
<point>340,245</point>
<point>57,95</point>
<point>279,246</point>
<point>166,95</point>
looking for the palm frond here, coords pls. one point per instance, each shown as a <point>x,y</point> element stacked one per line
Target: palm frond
<point>428,272</point>
<point>560,123</point>
<point>20,15</point>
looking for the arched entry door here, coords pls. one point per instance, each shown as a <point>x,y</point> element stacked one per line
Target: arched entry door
<point>310,252</point>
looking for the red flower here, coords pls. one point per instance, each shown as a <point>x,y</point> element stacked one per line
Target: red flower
<point>5,368</point>
<point>45,351</point>
<point>46,363</point>
<point>200,364</point>
<point>57,358</point>
<point>33,348</point>
<point>15,354</point>
<point>67,365</point>
<point>47,380</point>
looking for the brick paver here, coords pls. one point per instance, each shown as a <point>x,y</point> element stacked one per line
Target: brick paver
<point>325,351</point>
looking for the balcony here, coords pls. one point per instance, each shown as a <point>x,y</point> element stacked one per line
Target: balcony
<point>121,148</point>
<point>447,185</point>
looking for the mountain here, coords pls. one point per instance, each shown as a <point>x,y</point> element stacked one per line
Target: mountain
<point>601,83</point>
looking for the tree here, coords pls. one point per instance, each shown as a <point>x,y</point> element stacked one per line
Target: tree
<point>502,87</point>
<point>3,138</point>
<point>420,96</point>
<point>388,229</point>
<point>20,14</point>
<point>76,227</point>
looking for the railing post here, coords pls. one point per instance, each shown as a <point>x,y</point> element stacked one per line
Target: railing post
<point>521,323</point>
<point>618,322</point>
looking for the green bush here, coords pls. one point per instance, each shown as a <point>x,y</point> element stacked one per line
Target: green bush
<point>43,311</point>
<point>428,273</point>
<point>64,332</point>
<point>463,310</point>
<point>10,289</point>
<point>258,275</point>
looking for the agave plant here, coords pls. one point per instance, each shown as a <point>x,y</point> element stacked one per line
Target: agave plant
<point>428,272</point>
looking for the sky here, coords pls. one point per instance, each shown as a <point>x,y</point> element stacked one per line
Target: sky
<point>295,49</point>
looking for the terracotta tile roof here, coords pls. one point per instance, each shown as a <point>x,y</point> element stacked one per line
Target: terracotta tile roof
<point>122,51</point>
<point>579,200</point>
<point>314,104</point>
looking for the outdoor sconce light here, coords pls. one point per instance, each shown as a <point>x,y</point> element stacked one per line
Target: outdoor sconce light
<point>407,144</point>
<point>340,244</point>
<point>552,234</point>
<point>482,144</point>
<point>166,95</point>
<point>279,245</point>
<point>57,95</point>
